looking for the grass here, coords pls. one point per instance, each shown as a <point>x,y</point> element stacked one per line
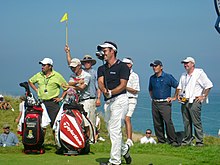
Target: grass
<point>141,154</point>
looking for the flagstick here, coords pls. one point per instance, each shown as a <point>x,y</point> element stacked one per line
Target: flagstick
<point>66,34</point>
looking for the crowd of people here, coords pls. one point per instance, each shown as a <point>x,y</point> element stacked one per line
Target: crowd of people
<point>119,84</point>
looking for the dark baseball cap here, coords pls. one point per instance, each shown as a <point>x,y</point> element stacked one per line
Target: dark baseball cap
<point>156,62</point>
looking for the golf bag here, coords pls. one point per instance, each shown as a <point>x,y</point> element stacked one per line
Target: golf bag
<point>32,132</point>
<point>71,133</point>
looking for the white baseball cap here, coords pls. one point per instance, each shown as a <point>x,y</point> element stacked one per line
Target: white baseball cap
<point>75,62</point>
<point>188,59</point>
<point>107,44</point>
<point>127,61</point>
<point>46,61</point>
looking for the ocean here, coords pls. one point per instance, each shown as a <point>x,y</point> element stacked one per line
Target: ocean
<point>142,117</point>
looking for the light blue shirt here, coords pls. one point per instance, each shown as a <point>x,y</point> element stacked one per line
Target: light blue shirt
<point>8,139</point>
<point>93,85</point>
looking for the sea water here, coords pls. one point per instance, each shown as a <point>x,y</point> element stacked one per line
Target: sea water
<point>142,117</point>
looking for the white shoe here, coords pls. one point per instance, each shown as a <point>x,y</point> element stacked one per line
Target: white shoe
<point>101,139</point>
<point>129,142</point>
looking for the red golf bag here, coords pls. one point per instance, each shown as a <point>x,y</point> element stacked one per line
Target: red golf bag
<point>72,136</point>
<point>32,132</point>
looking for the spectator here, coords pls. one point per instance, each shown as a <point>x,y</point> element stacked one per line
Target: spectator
<point>47,85</point>
<point>97,129</point>
<point>147,138</point>
<point>160,91</point>
<point>5,105</point>
<point>193,90</point>
<point>133,87</point>
<point>94,93</point>
<point>8,138</point>
<point>21,110</point>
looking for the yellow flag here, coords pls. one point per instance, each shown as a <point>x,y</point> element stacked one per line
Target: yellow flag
<point>64,18</point>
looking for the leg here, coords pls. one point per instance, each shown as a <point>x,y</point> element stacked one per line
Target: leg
<point>165,111</point>
<point>195,112</point>
<point>187,123</point>
<point>158,122</point>
<point>118,110</point>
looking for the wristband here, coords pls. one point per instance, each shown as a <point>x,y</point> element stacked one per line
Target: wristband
<point>61,98</point>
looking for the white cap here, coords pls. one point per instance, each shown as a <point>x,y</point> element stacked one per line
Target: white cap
<point>1,96</point>
<point>107,45</point>
<point>188,59</point>
<point>46,61</point>
<point>75,62</point>
<point>127,61</point>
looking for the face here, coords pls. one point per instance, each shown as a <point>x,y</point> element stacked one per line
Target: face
<point>6,130</point>
<point>188,66</point>
<point>148,133</point>
<point>108,53</point>
<point>46,68</point>
<point>87,64</point>
<point>75,69</point>
<point>157,68</point>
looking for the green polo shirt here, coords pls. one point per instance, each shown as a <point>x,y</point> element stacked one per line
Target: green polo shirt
<point>48,87</point>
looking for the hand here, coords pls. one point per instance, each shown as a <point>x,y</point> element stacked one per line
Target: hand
<point>171,99</point>
<point>108,93</point>
<point>98,102</point>
<point>200,99</point>
<point>67,49</point>
<point>57,99</point>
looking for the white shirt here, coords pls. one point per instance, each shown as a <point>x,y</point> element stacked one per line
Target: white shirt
<point>133,83</point>
<point>83,76</point>
<point>145,140</point>
<point>194,84</point>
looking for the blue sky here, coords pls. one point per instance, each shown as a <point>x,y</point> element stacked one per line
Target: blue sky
<point>143,30</point>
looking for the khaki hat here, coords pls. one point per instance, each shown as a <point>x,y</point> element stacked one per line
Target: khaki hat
<point>6,126</point>
<point>88,58</point>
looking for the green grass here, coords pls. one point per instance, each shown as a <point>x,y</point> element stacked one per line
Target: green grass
<point>141,154</point>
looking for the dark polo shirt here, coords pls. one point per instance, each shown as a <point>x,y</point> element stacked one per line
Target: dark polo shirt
<point>112,75</point>
<point>161,86</point>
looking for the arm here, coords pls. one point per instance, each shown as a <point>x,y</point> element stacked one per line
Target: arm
<point>120,87</point>
<point>68,55</point>
<point>98,100</point>
<point>131,90</point>
<point>33,86</point>
<point>102,86</point>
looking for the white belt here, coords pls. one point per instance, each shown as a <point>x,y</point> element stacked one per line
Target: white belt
<point>160,100</point>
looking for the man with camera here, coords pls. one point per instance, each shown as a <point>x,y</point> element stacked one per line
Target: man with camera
<point>160,85</point>
<point>112,81</point>
<point>193,89</point>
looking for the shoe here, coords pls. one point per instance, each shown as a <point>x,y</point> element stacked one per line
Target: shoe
<point>127,156</point>
<point>199,144</point>
<point>129,142</point>
<point>175,144</point>
<point>101,139</point>
<point>108,163</point>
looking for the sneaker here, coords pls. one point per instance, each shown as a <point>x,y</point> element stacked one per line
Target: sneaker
<point>127,156</point>
<point>101,139</point>
<point>175,144</point>
<point>199,144</point>
<point>129,142</point>
<point>108,163</point>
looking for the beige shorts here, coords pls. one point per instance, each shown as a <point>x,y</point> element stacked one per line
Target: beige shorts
<point>132,102</point>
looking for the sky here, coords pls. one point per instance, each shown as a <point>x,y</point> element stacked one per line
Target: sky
<point>144,30</point>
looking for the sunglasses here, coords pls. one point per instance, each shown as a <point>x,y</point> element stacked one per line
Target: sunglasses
<point>148,132</point>
<point>7,128</point>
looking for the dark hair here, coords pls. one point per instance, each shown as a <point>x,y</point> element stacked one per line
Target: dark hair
<point>149,130</point>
